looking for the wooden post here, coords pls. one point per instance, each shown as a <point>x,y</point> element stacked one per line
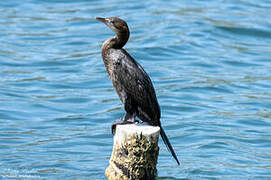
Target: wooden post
<point>135,153</point>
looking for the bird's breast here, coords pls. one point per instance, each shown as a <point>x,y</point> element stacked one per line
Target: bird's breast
<point>111,61</point>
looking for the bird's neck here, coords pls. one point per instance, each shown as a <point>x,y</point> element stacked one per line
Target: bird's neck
<point>116,42</point>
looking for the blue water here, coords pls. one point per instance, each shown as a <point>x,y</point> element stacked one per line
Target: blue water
<point>210,62</point>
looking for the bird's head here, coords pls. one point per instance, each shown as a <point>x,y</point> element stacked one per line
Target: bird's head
<point>116,24</point>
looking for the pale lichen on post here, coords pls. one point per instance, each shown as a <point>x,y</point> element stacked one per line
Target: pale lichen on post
<point>135,153</point>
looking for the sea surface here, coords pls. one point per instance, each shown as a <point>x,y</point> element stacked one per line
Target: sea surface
<point>210,63</point>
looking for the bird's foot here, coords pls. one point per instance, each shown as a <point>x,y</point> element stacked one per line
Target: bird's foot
<point>121,121</point>
<point>144,123</point>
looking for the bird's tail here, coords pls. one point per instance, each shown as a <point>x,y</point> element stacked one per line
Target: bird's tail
<point>169,147</point>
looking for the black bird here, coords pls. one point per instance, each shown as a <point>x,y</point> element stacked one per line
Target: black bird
<point>130,80</point>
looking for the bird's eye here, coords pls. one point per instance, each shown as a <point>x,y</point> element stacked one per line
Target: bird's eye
<point>112,21</point>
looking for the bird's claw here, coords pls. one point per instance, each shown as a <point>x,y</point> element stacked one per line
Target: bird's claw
<point>120,121</point>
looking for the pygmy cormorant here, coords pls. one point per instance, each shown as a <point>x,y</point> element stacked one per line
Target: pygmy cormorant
<point>130,80</point>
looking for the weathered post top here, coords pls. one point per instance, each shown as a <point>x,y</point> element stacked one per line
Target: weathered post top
<point>135,153</point>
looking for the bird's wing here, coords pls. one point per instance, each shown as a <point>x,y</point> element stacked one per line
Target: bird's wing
<point>137,85</point>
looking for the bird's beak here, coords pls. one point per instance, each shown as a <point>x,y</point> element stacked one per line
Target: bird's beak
<point>101,19</point>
